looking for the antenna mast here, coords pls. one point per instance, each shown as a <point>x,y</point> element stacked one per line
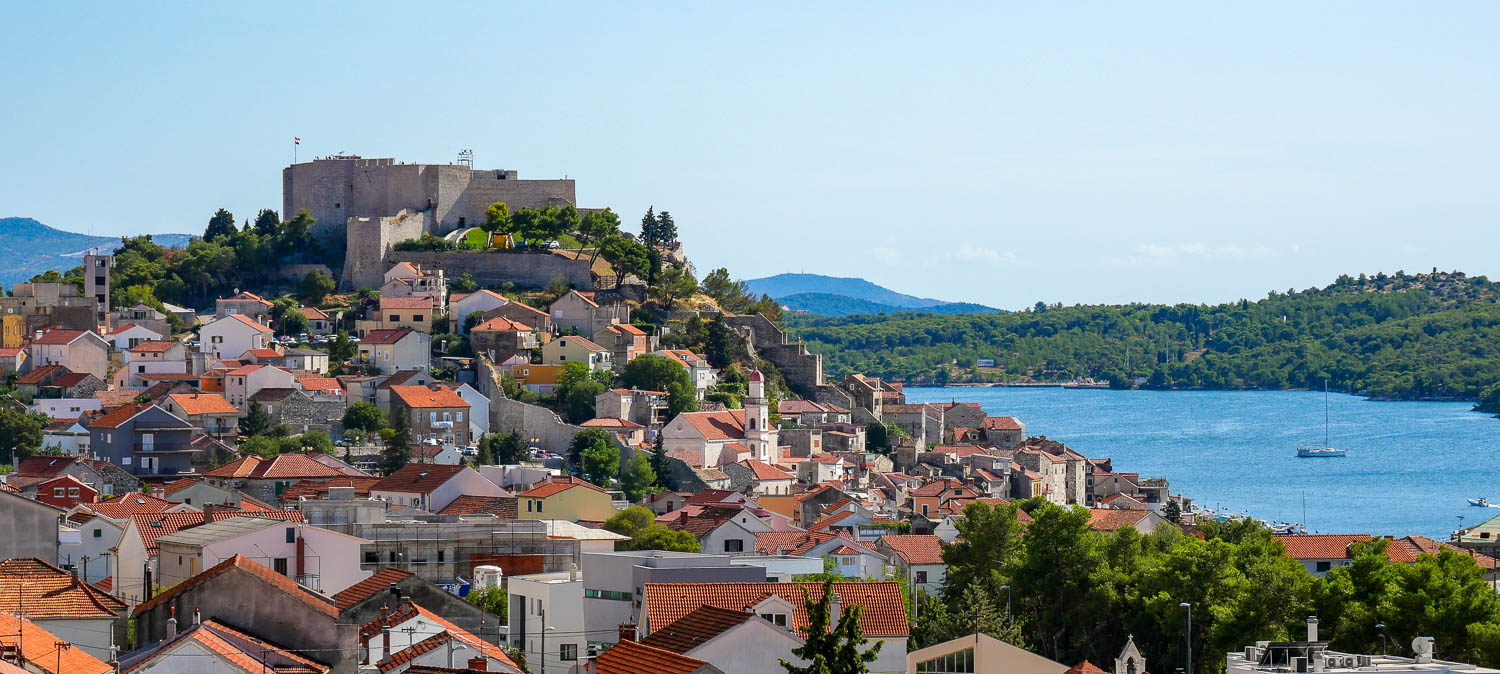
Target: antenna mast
<point>466,158</point>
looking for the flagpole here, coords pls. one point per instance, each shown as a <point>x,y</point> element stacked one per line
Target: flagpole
<point>294,151</point>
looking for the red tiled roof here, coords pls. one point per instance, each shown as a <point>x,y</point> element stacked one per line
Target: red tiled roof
<point>1001,424</point>
<point>275,580</point>
<point>313,313</point>
<point>382,337</point>
<point>1422,545</point>
<point>39,648</point>
<point>417,478</point>
<point>609,422</point>
<point>420,397</point>
<point>282,467</point>
<point>41,374</point>
<point>244,320</point>
<point>882,612</point>
<point>42,590</point>
<point>723,425</point>
<point>631,657</point>
<point>246,296</point>
<point>59,336</point>
<point>765,471</point>
<point>194,404</point>
<point>408,611</point>
<point>314,489</point>
<point>1084,667</point>
<point>1335,546</point>
<point>133,503</point>
<point>247,651</point>
<point>915,549</point>
<point>695,628</point>
<point>154,346</point>
<point>120,415</point>
<point>70,379</point>
<point>152,526</point>
<point>559,485</point>
<point>501,324</point>
<point>346,598</point>
<point>503,507</point>
<point>44,466</point>
<point>790,542</point>
<point>580,341</point>
<point>421,302</point>
<point>1110,519</point>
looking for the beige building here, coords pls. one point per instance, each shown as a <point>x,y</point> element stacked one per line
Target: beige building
<point>434,414</point>
<point>574,349</point>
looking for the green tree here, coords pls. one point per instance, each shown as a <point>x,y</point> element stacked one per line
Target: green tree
<point>397,452</point>
<point>511,449</point>
<point>985,552</point>
<point>875,437</point>
<point>497,218</point>
<point>578,403</point>
<point>267,222</point>
<point>465,283</point>
<point>829,648</point>
<point>731,295</point>
<point>658,373</point>
<point>365,417</point>
<point>648,227</point>
<point>601,463</point>
<point>256,420</point>
<point>666,228</point>
<point>674,284</point>
<point>220,226</point>
<point>20,433</point>
<point>626,257</point>
<point>661,465</point>
<point>1172,512</point>
<point>596,226</point>
<point>630,521</point>
<point>646,533</point>
<point>341,349</point>
<point>973,613</point>
<point>494,599</point>
<point>637,478</point>
<point>316,286</point>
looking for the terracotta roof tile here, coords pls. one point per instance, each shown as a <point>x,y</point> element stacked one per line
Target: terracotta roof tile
<point>502,507</point>
<point>246,321</point>
<point>42,374</point>
<point>630,657</point>
<point>695,628</point>
<point>765,471</point>
<point>420,302</point>
<point>1110,519</point>
<point>915,549</point>
<point>1084,667</point>
<point>194,404</point>
<point>133,503</point>
<point>559,485</point>
<point>1333,546</point>
<point>882,614</point>
<point>723,425</point>
<point>382,337</point>
<point>39,647</point>
<point>417,478</point>
<point>44,591</point>
<point>275,580</point>
<point>421,397</point>
<point>377,583</point>
<point>247,651</point>
<point>282,467</point>
<point>501,324</point>
<point>57,337</point>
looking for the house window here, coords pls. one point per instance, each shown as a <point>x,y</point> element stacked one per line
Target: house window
<point>393,557</point>
<point>279,565</point>
<point>1323,567</point>
<point>417,318</point>
<point>921,577</point>
<point>777,619</point>
<point>372,558</point>
<point>57,492</point>
<point>291,534</point>
<point>734,545</point>
<point>568,651</point>
<point>528,506</point>
<point>460,417</point>
<point>538,506</point>
<point>73,492</point>
<point>98,533</point>
<point>441,555</point>
<point>179,560</point>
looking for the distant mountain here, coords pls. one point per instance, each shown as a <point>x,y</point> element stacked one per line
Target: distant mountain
<point>835,296</point>
<point>825,304</point>
<point>32,248</point>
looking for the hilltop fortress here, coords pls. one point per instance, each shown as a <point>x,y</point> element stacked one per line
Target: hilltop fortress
<point>371,204</point>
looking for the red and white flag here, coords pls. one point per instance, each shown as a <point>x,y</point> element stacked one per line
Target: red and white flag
<point>296,140</point>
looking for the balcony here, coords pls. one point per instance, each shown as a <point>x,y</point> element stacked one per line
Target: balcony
<point>161,448</point>
<point>441,424</point>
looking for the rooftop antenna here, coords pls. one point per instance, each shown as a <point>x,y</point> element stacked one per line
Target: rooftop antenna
<point>466,158</point>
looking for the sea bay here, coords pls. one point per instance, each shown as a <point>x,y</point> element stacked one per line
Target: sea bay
<point>1409,470</point>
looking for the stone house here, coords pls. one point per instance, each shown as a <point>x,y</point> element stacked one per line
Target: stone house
<point>758,478</point>
<point>265,479</point>
<point>433,414</point>
<point>522,313</point>
<point>1004,432</point>
<point>27,528</point>
<point>303,411</point>
<point>501,338</point>
<point>77,350</point>
<point>243,382</point>
<point>461,305</point>
<point>249,305</point>
<point>577,311</point>
<point>962,415</point>
<point>624,342</point>
<point>647,408</point>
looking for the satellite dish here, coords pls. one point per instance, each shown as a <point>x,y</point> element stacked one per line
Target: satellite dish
<point>1422,646</point>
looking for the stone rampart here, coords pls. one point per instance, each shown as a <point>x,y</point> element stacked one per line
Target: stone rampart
<point>802,368</point>
<point>494,268</point>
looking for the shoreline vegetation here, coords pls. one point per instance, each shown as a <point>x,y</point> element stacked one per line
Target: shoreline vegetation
<point>1400,337</point>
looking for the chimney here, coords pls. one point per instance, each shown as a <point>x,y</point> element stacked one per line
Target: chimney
<point>572,573</point>
<point>479,665</point>
<point>171,623</point>
<point>301,554</point>
<point>1312,628</point>
<point>385,643</point>
<point>197,617</point>
<point>835,609</point>
<point>627,632</point>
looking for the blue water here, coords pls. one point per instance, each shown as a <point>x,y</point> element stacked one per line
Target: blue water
<point>1411,465</point>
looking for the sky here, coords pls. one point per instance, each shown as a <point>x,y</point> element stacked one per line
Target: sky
<point>1005,154</point>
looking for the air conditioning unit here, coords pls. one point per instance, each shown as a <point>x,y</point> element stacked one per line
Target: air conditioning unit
<point>1362,661</point>
<point>1299,664</point>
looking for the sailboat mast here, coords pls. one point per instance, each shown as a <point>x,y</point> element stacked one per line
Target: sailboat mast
<point>1325,413</point>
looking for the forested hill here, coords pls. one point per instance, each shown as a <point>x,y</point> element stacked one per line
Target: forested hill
<point>1403,336</point>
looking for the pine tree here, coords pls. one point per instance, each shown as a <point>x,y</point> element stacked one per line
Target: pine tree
<point>666,228</point>
<point>648,227</point>
<point>220,225</point>
<point>831,651</point>
<point>660,463</point>
<point>256,420</point>
<point>397,452</point>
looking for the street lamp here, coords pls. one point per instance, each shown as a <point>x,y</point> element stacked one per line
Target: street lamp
<point>1189,608</point>
<point>1007,600</point>
<point>455,645</point>
<point>1381,627</point>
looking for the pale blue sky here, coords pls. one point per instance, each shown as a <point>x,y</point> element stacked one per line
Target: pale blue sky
<point>1074,152</point>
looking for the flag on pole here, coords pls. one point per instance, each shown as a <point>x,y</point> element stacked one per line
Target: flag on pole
<point>296,140</point>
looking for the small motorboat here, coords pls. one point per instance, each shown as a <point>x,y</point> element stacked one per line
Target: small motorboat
<point>1482,503</point>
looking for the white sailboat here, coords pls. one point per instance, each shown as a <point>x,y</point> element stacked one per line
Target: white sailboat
<point>1325,451</point>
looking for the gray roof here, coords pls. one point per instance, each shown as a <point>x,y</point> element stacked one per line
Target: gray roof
<point>299,351</point>
<point>220,530</point>
<point>273,394</point>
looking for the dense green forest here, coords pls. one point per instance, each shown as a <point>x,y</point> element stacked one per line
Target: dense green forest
<point>1400,336</point>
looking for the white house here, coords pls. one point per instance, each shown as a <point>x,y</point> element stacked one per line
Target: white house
<point>317,558</point>
<point>396,350</point>
<point>479,410</point>
<point>432,487</point>
<point>717,438</point>
<point>77,350</point>
<point>733,640</point>
<point>552,602</point>
<point>918,559</point>
<point>127,336</point>
<point>429,639</point>
<point>70,436</point>
<point>228,337</point>
<point>243,382</point>
<point>733,536</point>
<point>66,408</point>
<point>461,305</point>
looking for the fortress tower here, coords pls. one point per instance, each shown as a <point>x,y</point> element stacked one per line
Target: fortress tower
<point>448,196</point>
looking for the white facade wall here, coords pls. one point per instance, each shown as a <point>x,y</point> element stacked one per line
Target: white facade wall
<point>561,601</point>
<point>137,368</point>
<point>754,647</point>
<point>234,338</point>
<point>93,635</point>
<point>331,556</point>
<point>95,538</point>
<point>467,482</point>
<point>66,408</point>
<point>124,340</point>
